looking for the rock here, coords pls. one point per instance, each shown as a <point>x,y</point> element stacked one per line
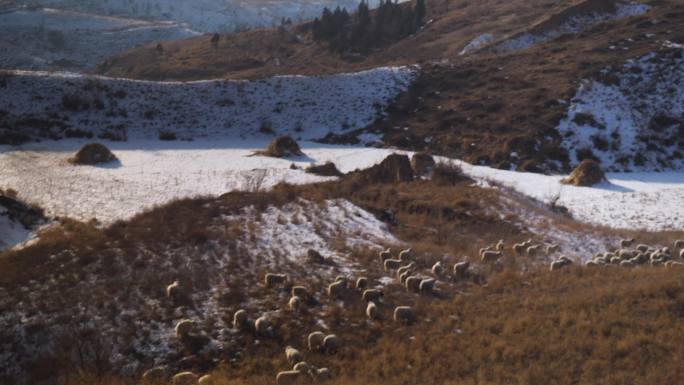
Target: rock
<point>394,168</point>
<point>327,169</point>
<point>422,163</point>
<point>92,154</point>
<point>588,173</point>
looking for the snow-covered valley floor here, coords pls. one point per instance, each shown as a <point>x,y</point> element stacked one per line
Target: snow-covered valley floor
<point>151,173</point>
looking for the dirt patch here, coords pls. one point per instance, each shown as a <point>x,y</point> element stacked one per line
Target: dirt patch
<point>92,154</point>
<point>587,174</point>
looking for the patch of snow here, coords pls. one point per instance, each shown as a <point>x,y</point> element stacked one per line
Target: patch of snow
<point>476,43</point>
<point>305,107</point>
<point>12,233</point>
<point>614,119</point>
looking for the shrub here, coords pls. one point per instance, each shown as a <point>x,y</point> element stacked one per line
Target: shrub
<point>92,154</point>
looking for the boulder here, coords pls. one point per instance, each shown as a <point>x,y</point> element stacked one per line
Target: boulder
<point>422,163</point>
<point>326,169</point>
<point>394,168</point>
<point>92,154</point>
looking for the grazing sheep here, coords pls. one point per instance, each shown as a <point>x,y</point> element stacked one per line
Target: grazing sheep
<point>154,375</point>
<point>615,260</point>
<point>681,254</point>
<point>295,303</point>
<point>300,291</point>
<point>559,264</point>
<point>336,289</point>
<point>240,320</point>
<point>322,374</point>
<point>500,245</point>
<point>625,243</point>
<point>406,255</point>
<point>392,264</point>
<point>674,264</point>
<point>315,340</point>
<point>552,249</point>
<point>184,327</point>
<point>403,276</point>
<point>412,283</point>
<point>302,367</point>
<point>262,325</point>
<point>626,254</point>
<point>592,263</point>
<point>566,259</point>
<point>490,256</point>
<point>288,377</point>
<point>438,269</point>
<point>403,314</point>
<point>385,254</point>
<point>293,355</point>
<point>361,283</point>
<point>330,343</point>
<point>371,295</point>
<point>626,264</point>
<point>461,269</point>
<point>272,279</point>
<point>533,250</point>
<point>372,311</point>
<point>405,268</point>
<point>679,244</point>
<point>642,248</point>
<point>519,248</point>
<point>427,285</point>
<point>483,250</point>
<point>656,262</point>
<point>184,378</point>
<point>173,290</point>
<point>207,379</point>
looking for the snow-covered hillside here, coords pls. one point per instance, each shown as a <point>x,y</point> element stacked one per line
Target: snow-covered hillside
<point>64,104</point>
<point>631,118</point>
<point>206,15</point>
<point>572,24</point>
<point>56,39</point>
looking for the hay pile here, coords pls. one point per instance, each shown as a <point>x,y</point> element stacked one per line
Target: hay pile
<point>282,147</point>
<point>587,174</point>
<point>92,154</point>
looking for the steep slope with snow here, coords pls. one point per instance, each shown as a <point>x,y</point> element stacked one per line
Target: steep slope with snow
<point>56,39</point>
<point>631,118</point>
<point>63,104</point>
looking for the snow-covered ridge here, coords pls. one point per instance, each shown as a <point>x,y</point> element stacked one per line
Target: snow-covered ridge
<point>631,118</point>
<point>574,24</point>
<point>306,107</point>
<point>51,38</point>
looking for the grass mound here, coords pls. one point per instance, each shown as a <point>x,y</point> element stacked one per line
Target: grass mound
<point>394,168</point>
<point>326,169</point>
<point>92,154</point>
<point>282,147</point>
<point>587,174</point>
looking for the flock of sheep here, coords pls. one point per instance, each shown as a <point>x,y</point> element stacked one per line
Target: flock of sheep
<point>406,271</point>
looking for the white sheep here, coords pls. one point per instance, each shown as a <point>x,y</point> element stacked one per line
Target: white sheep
<point>240,320</point>
<point>294,303</point>
<point>371,295</point>
<point>330,343</point>
<point>533,250</point>
<point>483,250</point>
<point>626,264</point>
<point>322,374</point>
<point>679,244</point>
<point>438,269</point>
<point>184,378</point>
<point>299,291</point>
<point>207,379</point>
<point>403,314</point>
<point>403,276</point>
<point>615,260</point>
<point>385,254</point>
<point>519,248</point>
<point>500,245</point>
<point>262,325</point>
<point>412,283</point>
<point>372,311</point>
<point>391,264</point>
<point>336,289</point>
<point>427,285</point>
<point>674,264</point>
<point>642,248</point>
<point>552,249</point>
<point>461,269</point>
<point>361,283</point>
<point>406,255</point>
<point>625,243</point>
<point>173,290</point>
<point>315,340</point>
<point>293,355</point>
<point>154,375</point>
<point>559,264</point>
<point>592,263</point>
<point>490,256</point>
<point>302,367</point>
<point>626,254</point>
<point>272,279</point>
<point>184,327</point>
<point>681,254</point>
<point>288,377</point>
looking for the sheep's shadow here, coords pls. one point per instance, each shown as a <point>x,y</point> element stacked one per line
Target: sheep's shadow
<point>608,186</point>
